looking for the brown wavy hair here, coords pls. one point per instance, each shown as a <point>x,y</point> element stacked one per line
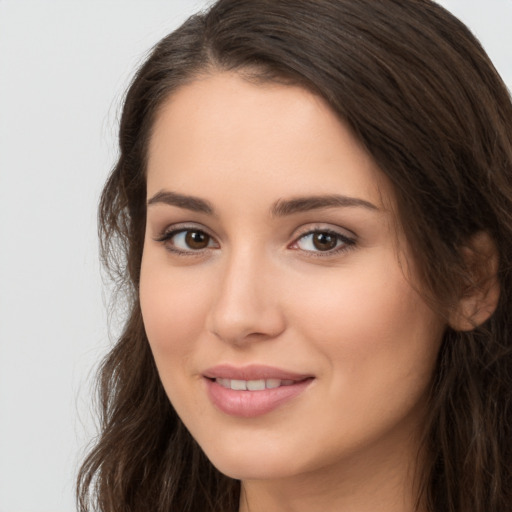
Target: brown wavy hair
<point>423,98</point>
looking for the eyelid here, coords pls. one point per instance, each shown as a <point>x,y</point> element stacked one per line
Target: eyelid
<point>181,226</point>
<point>325,228</point>
<point>172,230</point>
<point>349,240</point>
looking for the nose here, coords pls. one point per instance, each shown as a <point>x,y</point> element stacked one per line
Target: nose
<point>246,305</point>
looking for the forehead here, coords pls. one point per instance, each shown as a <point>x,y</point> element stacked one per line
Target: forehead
<point>222,131</point>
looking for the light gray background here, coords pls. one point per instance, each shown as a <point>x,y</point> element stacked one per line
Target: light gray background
<point>64,66</point>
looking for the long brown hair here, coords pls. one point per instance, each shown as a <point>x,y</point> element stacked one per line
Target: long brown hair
<point>420,94</point>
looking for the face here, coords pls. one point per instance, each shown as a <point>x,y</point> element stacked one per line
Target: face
<point>284,329</point>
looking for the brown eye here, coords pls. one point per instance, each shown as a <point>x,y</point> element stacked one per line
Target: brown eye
<point>324,241</point>
<point>187,241</point>
<point>197,240</point>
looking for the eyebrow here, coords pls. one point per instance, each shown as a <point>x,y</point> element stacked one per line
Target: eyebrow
<point>192,203</point>
<point>303,204</point>
<point>281,208</point>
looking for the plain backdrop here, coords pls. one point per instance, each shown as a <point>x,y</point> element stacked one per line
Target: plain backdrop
<point>64,66</point>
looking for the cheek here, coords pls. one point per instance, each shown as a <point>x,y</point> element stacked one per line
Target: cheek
<point>174,308</point>
<point>372,327</point>
<point>379,343</point>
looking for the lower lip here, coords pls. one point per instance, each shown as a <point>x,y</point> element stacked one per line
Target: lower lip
<point>249,404</point>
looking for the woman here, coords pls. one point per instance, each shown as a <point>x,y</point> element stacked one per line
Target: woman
<point>312,206</point>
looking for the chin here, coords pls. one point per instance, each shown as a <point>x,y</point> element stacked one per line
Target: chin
<point>242,464</point>
<point>249,470</point>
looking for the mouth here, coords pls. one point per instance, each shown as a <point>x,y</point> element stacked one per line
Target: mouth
<point>253,390</point>
<point>253,385</point>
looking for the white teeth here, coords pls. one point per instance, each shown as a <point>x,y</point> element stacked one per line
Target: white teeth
<point>239,385</point>
<point>256,385</point>
<point>253,385</point>
<point>272,383</point>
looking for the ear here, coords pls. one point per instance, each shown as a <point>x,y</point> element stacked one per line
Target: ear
<point>480,298</point>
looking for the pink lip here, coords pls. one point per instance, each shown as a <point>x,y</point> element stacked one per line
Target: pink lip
<point>251,372</point>
<point>249,404</point>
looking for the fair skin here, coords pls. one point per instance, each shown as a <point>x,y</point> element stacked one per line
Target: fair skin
<point>236,272</point>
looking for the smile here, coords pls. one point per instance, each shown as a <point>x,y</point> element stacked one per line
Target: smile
<point>253,385</point>
<point>254,390</point>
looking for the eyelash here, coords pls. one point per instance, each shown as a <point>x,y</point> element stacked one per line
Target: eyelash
<point>167,237</point>
<point>345,243</point>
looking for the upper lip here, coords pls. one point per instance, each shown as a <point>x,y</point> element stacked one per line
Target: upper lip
<point>252,372</point>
